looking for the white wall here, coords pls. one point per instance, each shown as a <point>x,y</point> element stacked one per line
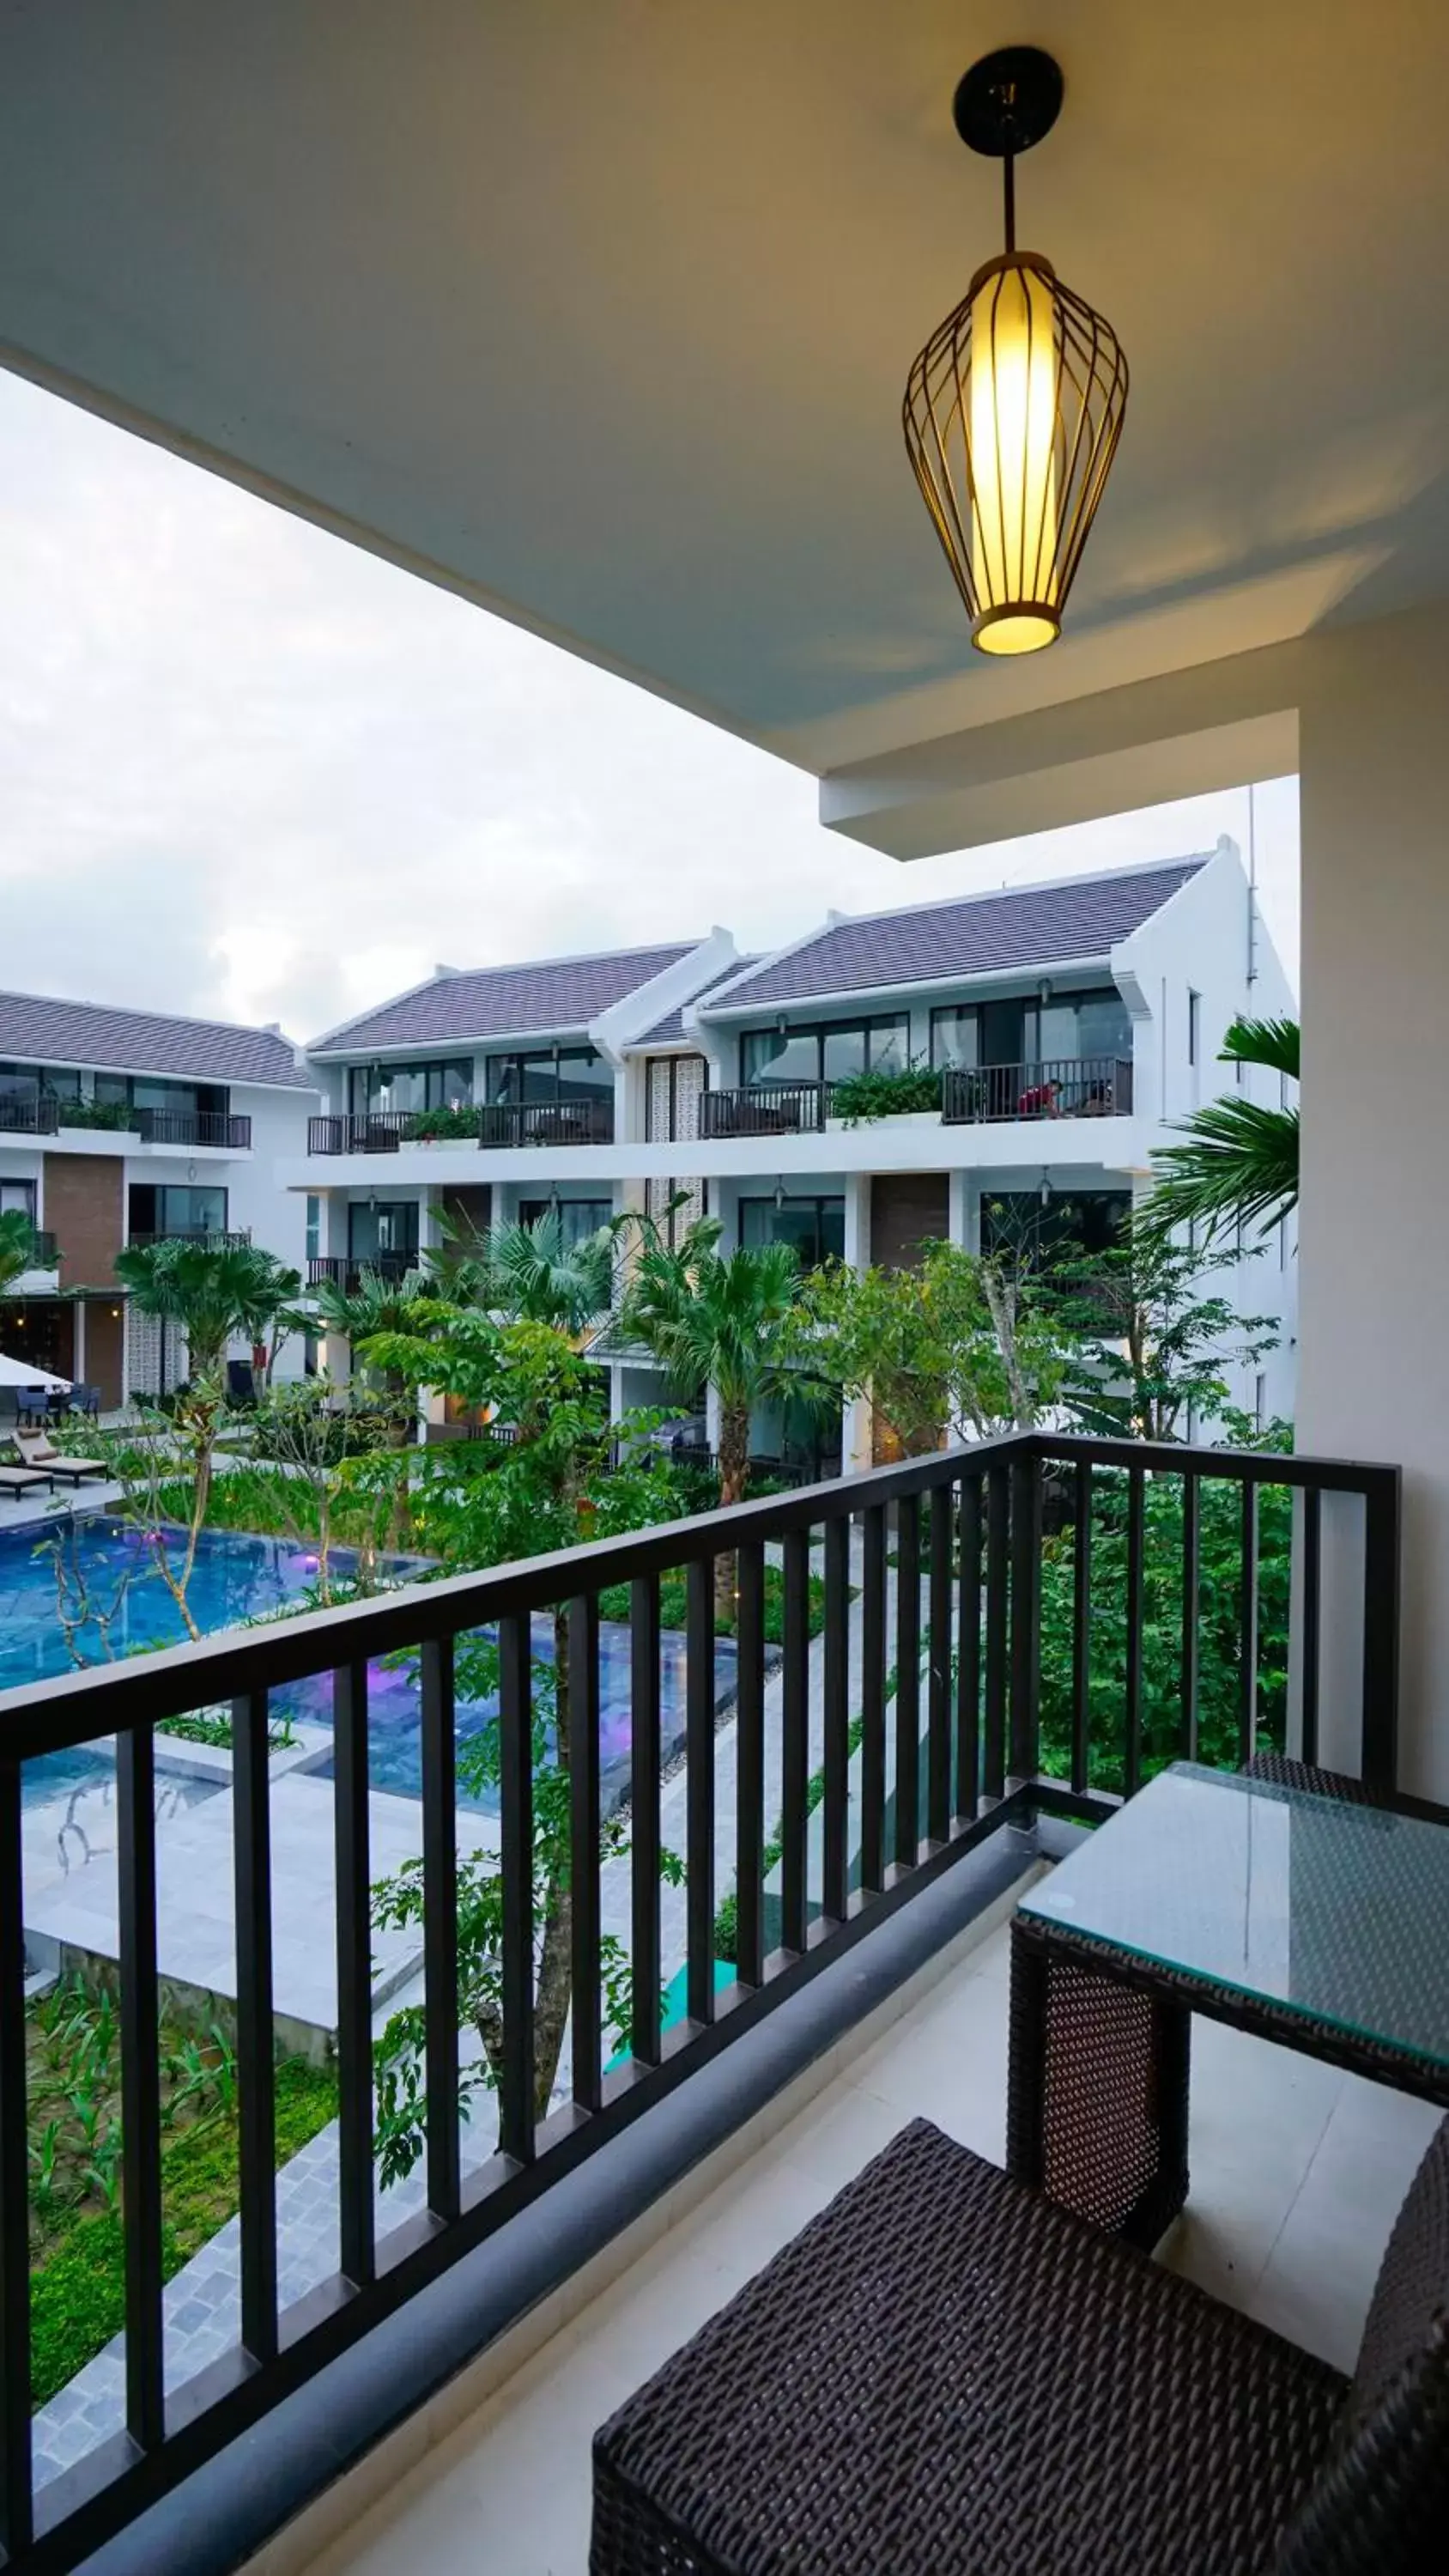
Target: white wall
<point>1375,1228</point>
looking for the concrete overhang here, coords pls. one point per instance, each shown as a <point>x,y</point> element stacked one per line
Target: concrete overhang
<point>601,318</point>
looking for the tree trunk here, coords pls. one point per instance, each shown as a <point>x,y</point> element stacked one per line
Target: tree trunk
<point>734,1477</point>
<point>1001,1306</point>
<point>553,1994</point>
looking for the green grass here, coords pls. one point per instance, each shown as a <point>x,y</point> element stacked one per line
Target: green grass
<point>78,2288</point>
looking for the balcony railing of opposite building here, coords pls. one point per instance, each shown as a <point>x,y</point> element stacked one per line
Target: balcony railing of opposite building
<point>344,1270</point>
<point>763,1109</point>
<point>941,1682</point>
<point>1059,1087</point>
<point>45,1253</point>
<point>19,1117</point>
<point>194,1127</point>
<point>232,1238</point>
<point>546,1122</point>
<point>382,1131</point>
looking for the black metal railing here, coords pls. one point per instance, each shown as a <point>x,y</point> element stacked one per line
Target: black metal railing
<point>194,1127</point>
<point>345,1270</point>
<point>936,1706</point>
<point>383,1131</point>
<point>20,1117</point>
<point>1097,1086</point>
<point>231,1238</point>
<point>546,1122</point>
<point>764,1109</point>
<point>45,1252</point>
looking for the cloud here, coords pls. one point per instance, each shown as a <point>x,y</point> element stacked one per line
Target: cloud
<point>252,771</point>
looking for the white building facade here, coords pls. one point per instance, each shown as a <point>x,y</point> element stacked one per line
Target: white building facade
<point>127,1127</point>
<point>1072,1025</point>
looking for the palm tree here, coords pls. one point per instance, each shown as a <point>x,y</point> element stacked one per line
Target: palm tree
<point>268,1320</point>
<point>1239,1165</point>
<point>376,1306</point>
<point>17,1247</point>
<point>719,1320</point>
<point>528,1273</point>
<point>211,1290</point>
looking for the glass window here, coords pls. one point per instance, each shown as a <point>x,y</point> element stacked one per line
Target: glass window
<point>445,1084</point>
<point>112,1088</point>
<point>175,1210</point>
<point>1194,1025</point>
<point>780,1055</point>
<point>1072,1223</point>
<point>954,1035</point>
<point>578,1218</point>
<point>889,1043</point>
<point>17,1198</point>
<point>550,1075</point>
<point>381,1225</point>
<point>813,1227</point>
<point>845,1053</point>
<point>314,1228</point>
<point>1104,1025</point>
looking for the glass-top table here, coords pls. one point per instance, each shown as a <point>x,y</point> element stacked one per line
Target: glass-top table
<point>1311,1921</point>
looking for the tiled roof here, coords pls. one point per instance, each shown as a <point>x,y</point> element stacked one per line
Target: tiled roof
<point>670,1030</point>
<point>562,993</point>
<point>985,934</point>
<point>34,1029</point>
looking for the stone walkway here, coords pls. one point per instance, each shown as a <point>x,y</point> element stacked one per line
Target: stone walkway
<point>202,2305</point>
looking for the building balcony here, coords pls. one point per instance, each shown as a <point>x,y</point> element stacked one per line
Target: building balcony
<point>28,1117</point>
<point>215,1238</point>
<point>1064,1087</point>
<point>1059,1087</point>
<point>546,1122</point>
<point>213,1128</point>
<point>869,1798</point>
<point>495,1124</point>
<point>346,1270</point>
<point>763,1109</point>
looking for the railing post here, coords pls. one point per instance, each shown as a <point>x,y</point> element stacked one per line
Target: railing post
<point>1023,1758</point>
<point>1383,1505</point>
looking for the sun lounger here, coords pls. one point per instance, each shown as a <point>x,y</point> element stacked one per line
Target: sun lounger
<point>23,1480</point>
<point>38,1454</point>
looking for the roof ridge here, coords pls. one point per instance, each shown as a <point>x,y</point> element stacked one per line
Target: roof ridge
<point>1004,893</point>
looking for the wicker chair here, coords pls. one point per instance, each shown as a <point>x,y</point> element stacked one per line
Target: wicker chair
<point>1288,1773</point>
<point>946,2374</point>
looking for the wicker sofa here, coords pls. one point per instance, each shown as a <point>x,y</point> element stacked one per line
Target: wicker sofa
<point>945,2373</point>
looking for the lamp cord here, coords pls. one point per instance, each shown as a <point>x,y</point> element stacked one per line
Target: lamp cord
<point>1008,167</point>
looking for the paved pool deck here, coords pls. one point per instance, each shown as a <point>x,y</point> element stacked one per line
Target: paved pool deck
<point>202,2305</point>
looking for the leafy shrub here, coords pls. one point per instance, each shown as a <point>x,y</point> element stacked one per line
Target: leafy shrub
<point>434,1126</point>
<point>115,1115</point>
<point>881,1092</point>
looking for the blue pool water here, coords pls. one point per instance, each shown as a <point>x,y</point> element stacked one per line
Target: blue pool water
<point>235,1578</point>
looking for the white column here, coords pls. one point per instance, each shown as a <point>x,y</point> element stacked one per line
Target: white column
<point>1374,1351</point>
<point>856,1451</point>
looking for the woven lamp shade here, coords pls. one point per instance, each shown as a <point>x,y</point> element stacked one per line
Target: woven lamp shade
<point>1012,415</point>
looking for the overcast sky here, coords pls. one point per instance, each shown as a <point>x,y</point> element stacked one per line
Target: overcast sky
<point>249,771</point>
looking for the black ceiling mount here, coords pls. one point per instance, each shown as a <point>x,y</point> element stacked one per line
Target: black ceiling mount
<point>1008,101</point>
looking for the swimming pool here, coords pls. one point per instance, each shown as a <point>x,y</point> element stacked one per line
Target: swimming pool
<point>236,1578</point>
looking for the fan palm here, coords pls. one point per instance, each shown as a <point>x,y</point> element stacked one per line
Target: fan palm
<point>17,1246</point>
<point>1239,1164</point>
<point>211,1290</point>
<point>719,1320</point>
<point>529,1273</point>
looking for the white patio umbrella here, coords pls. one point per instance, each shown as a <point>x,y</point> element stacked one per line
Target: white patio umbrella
<point>25,1373</point>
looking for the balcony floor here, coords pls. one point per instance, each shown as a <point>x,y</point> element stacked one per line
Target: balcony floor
<point>1297,2174</point>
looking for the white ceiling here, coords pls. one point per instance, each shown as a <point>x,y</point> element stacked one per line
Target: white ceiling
<point>601,310</point>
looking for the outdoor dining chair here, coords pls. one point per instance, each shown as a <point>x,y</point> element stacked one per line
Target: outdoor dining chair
<point>946,2374</point>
